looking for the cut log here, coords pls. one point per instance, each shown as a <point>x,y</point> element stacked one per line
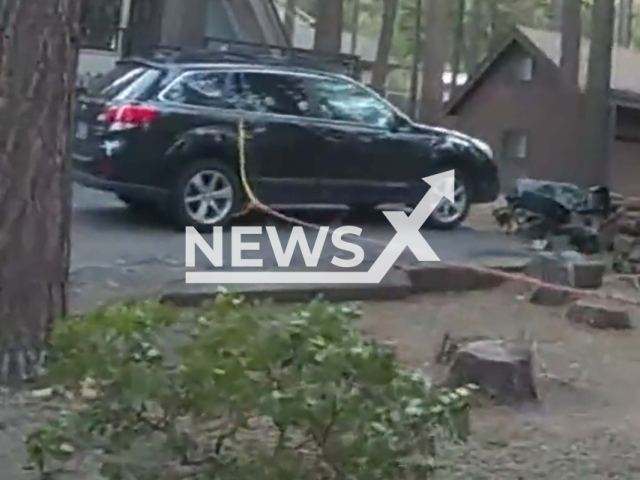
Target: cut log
<point>502,371</point>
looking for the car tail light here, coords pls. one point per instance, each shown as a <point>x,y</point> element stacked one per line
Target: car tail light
<point>125,117</point>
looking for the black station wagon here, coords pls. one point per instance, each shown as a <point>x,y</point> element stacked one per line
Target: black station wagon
<point>166,133</point>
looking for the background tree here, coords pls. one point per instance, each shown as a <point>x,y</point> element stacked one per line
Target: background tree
<point>625,23</point>
<point>555,14</point>
<point>329,22</point>
<point>570,44</point>
<point>381,65</point>
<point>38,57</point>
<point>355,26</point>
<point>476,34</point>
<point>459,9</point>
<point>290,18</point>
<point>433,60</point>
<point>415,63</point>
<point>597,108</point>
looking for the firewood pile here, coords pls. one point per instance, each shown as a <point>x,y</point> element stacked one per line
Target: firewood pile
<point>561,216</point>
<point>626,243</point>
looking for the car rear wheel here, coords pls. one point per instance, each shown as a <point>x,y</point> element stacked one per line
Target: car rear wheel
<point>206,194</point>
<point>449,215</point>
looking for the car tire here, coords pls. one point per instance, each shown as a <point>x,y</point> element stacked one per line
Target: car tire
<point>448,216</point>
<point>206,194</point>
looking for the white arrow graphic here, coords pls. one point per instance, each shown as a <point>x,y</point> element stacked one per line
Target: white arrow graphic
<point>407,236</point>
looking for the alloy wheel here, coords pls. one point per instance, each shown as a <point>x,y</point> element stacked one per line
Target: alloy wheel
<point>450,212</point>
<point>208,197</point>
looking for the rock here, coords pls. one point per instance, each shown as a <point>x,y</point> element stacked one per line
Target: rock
<point>624,243</point>
<point>622,265</point>
<point>503,372</point>
<point>632,204</point>
<point>634,254</point>
<point>607,234</point>
<point>509,264</point>
<point>599,316</point>
<point>450,346</point>
<point>559,243</point>
<point>587,274</point>
<point>438,277</point>
<point>567,268</point>
<point>629,225</point>
<point>548,267</point>
<point>550,297</point>
<point>631,215</point>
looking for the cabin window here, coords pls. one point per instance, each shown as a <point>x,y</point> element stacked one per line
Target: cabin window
<point>524,69</point>
<point>515,144</point>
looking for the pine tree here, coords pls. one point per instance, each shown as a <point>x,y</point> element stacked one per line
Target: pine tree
<point>38,58</point>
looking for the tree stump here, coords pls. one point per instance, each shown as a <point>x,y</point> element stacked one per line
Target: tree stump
<point>503,372</point>
<point>599,316</point>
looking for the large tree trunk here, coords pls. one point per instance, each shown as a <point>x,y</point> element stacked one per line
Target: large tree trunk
<point>415,62</point>
<point>290,20</point>
<point>458,43</point>
<point>625,23</point>
<point>434,57</point>
<point>381,65</point>
<point>38,57</point>
<point>476,36</point>
<point>570,45</point>
<point>328,36</point>
<point>355,26</point>
<point>597,115</point>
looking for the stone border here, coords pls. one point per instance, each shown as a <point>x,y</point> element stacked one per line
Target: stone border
<point>399,284</point>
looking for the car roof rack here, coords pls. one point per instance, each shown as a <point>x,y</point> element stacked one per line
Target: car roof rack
<point>235,51</point>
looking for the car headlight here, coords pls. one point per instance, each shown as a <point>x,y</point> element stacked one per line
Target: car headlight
<point>483,147</point>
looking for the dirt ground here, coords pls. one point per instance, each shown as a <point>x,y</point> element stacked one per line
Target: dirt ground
<point>587,423</point>
<point>481,218</point>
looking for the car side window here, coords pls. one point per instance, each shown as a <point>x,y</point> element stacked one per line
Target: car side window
<point>271,93</point>
<point>340,100</point>
<point>202,89</point>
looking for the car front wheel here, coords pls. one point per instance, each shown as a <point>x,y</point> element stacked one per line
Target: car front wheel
<point>449,215</point>
<point>206,194</point>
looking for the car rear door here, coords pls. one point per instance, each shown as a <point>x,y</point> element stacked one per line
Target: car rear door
<point>198,121</point>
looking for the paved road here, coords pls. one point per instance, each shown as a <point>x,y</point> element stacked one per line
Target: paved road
<point>117,252</point>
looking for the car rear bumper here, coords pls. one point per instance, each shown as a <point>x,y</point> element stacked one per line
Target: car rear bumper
<point>134,191</point>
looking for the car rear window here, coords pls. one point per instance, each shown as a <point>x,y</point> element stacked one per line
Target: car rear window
<point>127,79</point>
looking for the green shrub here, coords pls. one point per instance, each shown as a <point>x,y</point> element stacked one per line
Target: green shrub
<point>237,390</point>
